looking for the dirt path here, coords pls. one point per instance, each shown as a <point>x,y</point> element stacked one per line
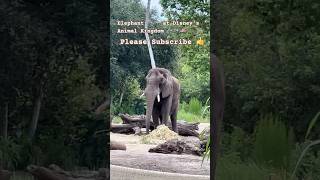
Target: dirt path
<point>137,156</point>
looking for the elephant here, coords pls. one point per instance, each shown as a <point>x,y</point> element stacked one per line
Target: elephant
<point>162,96</point>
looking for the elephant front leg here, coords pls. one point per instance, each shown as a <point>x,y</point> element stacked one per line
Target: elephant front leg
<point>165,110</point>
<point>155,117</point>
<point>173,118</point>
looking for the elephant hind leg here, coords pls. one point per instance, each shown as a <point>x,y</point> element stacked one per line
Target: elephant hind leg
<point>173,118</point>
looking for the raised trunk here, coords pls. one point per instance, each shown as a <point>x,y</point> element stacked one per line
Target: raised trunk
<point>150,102</point>
<point>4,129</point>
<point>35,116</point>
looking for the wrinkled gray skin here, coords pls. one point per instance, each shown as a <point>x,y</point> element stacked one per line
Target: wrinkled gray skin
<point>161,82</point>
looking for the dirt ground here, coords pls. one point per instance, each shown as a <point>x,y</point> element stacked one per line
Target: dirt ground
<point>137,156</point>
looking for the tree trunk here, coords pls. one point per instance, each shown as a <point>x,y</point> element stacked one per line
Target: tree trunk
<point>4,127</point>
<point>35,116</point>
<point>153,63</point>
<point>218,96</point>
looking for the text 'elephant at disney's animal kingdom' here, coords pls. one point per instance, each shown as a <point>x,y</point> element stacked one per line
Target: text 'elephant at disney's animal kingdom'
<point>162,94</point>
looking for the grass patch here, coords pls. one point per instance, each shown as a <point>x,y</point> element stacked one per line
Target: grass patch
<point>190,117</point>
<point>273,143</point>
<point>117,120</point>
<point>195,106</point>
<point>229,170</point>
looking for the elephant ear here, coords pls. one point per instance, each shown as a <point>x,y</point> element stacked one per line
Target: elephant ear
<point>166,86</point>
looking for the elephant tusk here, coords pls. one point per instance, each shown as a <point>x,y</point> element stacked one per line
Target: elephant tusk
<point>142,95</point>
<point>158,97</point>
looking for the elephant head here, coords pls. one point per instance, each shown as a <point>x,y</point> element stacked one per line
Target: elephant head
<point>159,86</point>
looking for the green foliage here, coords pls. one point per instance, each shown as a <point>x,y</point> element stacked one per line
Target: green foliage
<point>116,119</point>
<point>307,159</point>
<point>29,153</point>
<point>239,142</point>
<point>193,111</point>
<point>206,109</point>
<point>62,61</point>
<point>312,124</point>
<point>310,163</point>
<point>128,100</point>
<point>273,143</point>
<point>9,153</point>
<point>195,106</point>
<point>231,169</point>
<point>190,117</point>
<point>270,51</point>
<point>91,146</point>
<point>193,61</point>
<point>56,152</point>
<point>206,153</point>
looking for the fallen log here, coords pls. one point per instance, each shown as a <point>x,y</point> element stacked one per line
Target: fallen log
<point>134,119</point>
<point>123,128</point>
<point>54,172</point>
<point>5,175</point>
<point>179,146</point>
<point>133,124</point>
<point>186,129</point>
<point>114,145</point>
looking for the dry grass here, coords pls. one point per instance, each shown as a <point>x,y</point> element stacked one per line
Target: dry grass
<point>159,135</point>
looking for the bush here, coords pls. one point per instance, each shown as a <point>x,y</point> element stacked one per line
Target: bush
<point>309,165</point>
<point>9,153</point>
<point>30,153</point>
<point>193,111</point>
<point>273,143</point>
<point>237,142</point>
<point>184,115</point>
<point>195,106</point>
<point>231,168</point>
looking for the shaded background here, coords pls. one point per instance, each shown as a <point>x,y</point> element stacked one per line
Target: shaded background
<point>53,74</point>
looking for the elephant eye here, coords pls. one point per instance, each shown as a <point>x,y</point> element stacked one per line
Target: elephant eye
<point>162,79</point>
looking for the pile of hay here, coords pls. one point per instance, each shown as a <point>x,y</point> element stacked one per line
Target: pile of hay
<point>159,135</point>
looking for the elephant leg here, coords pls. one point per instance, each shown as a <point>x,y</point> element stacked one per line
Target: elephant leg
<point>160,119</point>
<point>155,117</point>
<point>165,110</point>
<point>173,118</point>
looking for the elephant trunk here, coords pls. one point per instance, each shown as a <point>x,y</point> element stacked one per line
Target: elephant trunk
<point>150,98</point>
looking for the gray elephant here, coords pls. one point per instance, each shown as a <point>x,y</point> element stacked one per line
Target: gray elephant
<point>162,94</point>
